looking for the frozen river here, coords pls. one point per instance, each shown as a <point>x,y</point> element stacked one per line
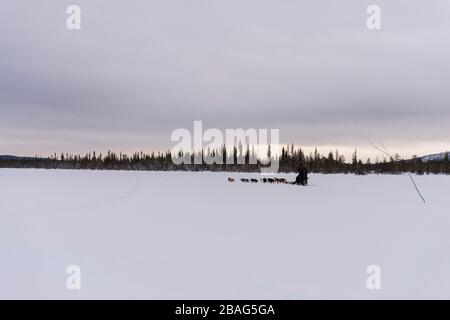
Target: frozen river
<point>174,235</point>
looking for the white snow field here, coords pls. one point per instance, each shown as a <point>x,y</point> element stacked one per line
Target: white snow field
<point>174,235</point>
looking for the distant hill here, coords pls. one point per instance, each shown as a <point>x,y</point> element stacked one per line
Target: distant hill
<point>10,157</point>
<point>434,157</point>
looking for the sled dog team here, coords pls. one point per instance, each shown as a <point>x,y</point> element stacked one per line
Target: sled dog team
<point>301,179</point>
<point>262,180</point>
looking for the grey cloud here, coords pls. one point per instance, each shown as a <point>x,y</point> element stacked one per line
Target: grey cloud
<point>139,69</point>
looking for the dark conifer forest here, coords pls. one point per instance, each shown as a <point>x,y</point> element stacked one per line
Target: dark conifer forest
<point>242,161</point>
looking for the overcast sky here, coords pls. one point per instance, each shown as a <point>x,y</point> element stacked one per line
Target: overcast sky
<point>137,70</point>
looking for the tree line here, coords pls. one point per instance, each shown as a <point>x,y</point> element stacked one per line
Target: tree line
<point>289,160</point>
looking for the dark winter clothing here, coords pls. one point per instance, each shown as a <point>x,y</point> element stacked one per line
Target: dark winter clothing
<point>302,177</point>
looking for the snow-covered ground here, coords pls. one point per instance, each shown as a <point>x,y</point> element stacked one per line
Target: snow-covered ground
<point>195,235</point>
